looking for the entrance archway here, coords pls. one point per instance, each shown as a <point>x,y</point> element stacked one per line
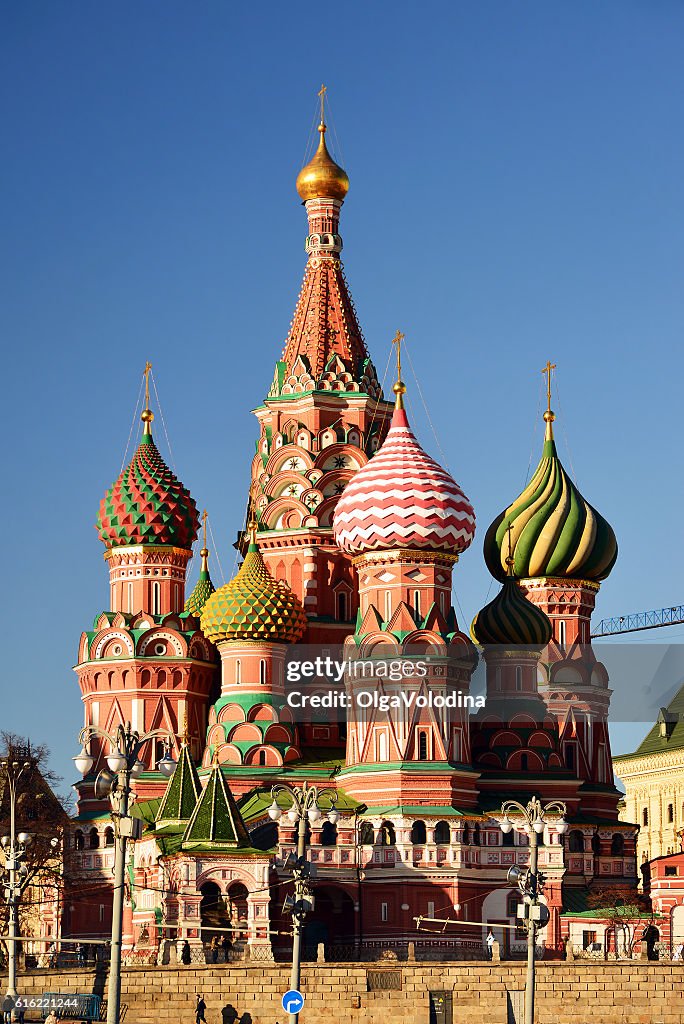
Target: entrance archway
<point>238,912</point>
<point>333,920</point>
<point>213,912</point>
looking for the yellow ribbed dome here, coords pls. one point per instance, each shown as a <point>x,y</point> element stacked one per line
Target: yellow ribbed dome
<point>322,178</point>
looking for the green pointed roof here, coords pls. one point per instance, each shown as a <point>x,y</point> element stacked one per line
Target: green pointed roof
<point>203,589</point>
<point>216,820</point>
<point>554,531</point>
<point>182,792</point>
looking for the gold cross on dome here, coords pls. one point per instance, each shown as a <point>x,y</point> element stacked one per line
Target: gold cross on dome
<point>397,340</point>
<point>204,528</point>
<point>321,92</point>
<point>146,374</point>
<point>548,370</point>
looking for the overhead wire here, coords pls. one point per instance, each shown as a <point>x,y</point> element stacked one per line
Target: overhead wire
<point>130,433</point>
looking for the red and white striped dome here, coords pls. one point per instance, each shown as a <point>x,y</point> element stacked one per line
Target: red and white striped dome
<point>403,499</point>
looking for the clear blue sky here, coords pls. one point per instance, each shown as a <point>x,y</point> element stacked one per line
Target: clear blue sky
<point>516,195</point>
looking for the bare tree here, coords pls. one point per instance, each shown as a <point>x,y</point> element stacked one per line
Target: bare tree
<point>624,909</point>
<point>40,812</point>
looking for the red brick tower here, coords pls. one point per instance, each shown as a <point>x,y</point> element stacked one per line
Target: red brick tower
<point>145,661</point>
<point>322,419</point>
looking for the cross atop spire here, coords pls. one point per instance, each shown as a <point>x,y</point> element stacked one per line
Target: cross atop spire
<point>321,93</point>
<point>399,388</point>
<point>549,416</point>
<point>147,414</point>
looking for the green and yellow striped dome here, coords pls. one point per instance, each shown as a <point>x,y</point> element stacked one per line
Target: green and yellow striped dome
<point>551,530</point>
<point>511,619</point>
<point>253,606</point>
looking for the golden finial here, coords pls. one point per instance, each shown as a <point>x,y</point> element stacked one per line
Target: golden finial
<point>147,414</point>
<point>252,524</point>
<point>321,92</point>
<point>399,388</point>
<point>549,416</point>
<point>204,553</point>
<point>184,728</point>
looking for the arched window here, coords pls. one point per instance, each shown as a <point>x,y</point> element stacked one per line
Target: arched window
<point>79,841</point>
<point>442,832</point>
<point>366,834</point>
<point>476,835</point>
<point>156,598</point>
<point>387,836</point>
<point>518,677</point>
<point>262,672</point>
<point>262,757</point>
<point>418,833</point>
<point>342,606</point>
<point>508,838</point>
<point>644,816</point>
<point>329,834</point>
<point>465,836</point>
<point>596,844</point>
<point>382,746</point>
<point>422,746</point>
<point>670,814</point>
<point>109,836</point>
<point>561,632</point>
<point>576,841</point>
<point>617,845</point>
<point>94,839</point>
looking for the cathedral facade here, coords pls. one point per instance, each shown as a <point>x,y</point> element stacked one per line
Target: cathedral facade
<point>352,542</point>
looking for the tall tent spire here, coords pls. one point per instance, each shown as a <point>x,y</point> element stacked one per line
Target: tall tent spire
<point>324,349</point>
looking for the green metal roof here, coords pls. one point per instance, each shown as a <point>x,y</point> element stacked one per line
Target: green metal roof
<point>182,792</point>
<point>671,720</point>
<point>216,822</point>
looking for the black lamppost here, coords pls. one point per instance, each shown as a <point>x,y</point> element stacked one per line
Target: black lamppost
<point>124,764</point>
<point>304,809</point>
<point>15,847</point>
<point>531,882</point>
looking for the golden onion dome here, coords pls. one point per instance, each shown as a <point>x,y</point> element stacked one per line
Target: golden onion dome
<point>322,178</point>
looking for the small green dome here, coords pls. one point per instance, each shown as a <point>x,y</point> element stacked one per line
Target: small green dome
<point>511,619</point>
<point>550,529</point>
<point>203,589</point>
<point>253,606</point>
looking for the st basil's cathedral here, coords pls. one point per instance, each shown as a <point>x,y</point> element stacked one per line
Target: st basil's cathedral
<point>353,535</point>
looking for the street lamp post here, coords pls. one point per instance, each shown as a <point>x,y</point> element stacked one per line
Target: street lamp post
<point>531,882</point>
<point>15,848</point>
<point>304,808</point>
<point>124,764</point>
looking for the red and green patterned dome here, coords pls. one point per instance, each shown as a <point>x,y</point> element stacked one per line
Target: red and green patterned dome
<point>203,589</point>
<point>253,606</point>
<point>147,504</point>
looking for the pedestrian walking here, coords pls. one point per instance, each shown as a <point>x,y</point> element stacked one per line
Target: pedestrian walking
<point>490,943</point>
<point>7,1007</point>
<point>199,1011</point>
<point>186,955</point>
<point>214,949</point>
<point>225,946</point>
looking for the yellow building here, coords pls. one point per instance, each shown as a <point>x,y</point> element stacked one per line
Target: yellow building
<point>653,776</point>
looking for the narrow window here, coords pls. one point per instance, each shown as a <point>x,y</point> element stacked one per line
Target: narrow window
<point>422,746</point>
<point>523,762</point>
<point>130,597</point>
<point>442,602</point>
<point>238,672</point>
<point>262,757</point>
<point>262,672</point>
<point>383,911</point>
<point>156,598</point>
<point>561,632</point>
<point>388,605</point>
<point>416,604</point>
<point>644,816</point>
<point>431,908</point>
<point>342,607</point>
<point>518,677</point>
<point>670,814</point>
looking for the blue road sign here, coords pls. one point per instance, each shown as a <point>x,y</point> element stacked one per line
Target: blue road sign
<point>292,1001</point>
